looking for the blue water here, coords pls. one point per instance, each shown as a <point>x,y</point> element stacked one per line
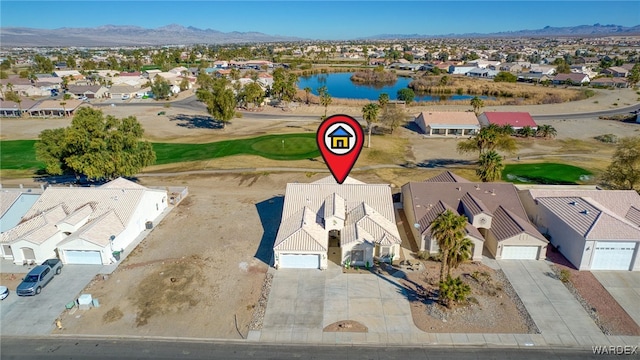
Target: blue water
<point>339,85</point>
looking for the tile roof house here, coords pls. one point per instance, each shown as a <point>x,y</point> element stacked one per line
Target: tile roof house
<point>573,78</point>
<point>348,223</point>
<point>517,120</point>
<point>447,123</point>
<point>617,82</point>
<point>593,229</point>
<point>616,71</point>
<point>83,225</point>
<point>496,218</point>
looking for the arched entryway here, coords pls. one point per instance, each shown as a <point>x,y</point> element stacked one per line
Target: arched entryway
<point>335,254</point>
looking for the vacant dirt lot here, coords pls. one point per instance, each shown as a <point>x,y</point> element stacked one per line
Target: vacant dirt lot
<point>199,269</point>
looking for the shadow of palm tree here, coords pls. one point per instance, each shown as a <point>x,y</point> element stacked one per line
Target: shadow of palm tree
<point>196,121</point>
<point>443,163</point>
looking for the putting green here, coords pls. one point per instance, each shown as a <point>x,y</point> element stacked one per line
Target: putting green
<point>285,146</point>
<point>545,173</point>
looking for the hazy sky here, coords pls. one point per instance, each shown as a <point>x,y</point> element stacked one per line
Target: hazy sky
<point>329,20</point>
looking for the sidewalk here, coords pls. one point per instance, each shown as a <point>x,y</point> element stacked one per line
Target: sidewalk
<point>562,323</point>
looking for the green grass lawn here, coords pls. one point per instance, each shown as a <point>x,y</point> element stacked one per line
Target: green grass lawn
<point>295,147</point>
<point>545,173</point>
<point>18,155</point>
<point>21,155</point>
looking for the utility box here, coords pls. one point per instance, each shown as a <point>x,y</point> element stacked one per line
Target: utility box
<point>149,225</point>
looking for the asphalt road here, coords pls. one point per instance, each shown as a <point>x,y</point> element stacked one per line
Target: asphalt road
<point>96,348</point>
<point>192,103</point>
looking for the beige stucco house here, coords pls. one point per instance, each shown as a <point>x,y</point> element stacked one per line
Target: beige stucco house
<point>349,223</point>
<point>594,229</point>
<point>83,225</point>
<point>496,218</point>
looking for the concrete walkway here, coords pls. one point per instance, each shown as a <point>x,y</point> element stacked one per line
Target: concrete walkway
<point>552,307</point>
<point>624,286</point>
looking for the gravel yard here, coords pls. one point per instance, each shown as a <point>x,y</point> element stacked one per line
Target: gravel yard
<point>493,306</point>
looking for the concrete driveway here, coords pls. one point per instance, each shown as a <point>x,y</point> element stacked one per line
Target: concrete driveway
<point>559,316</point>
<point>303,302</point>
<point>35,315</point>
<point>624,286</point>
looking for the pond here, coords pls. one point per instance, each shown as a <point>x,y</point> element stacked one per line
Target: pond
<point>340,85</point>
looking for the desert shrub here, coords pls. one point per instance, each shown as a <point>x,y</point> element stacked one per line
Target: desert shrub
<point>551,98</point>
<point>564,276</point>
<point>607,138</point>
<point>453,290</point>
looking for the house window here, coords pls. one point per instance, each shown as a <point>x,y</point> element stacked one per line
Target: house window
<point>385,251</point>
<point>357,256</point>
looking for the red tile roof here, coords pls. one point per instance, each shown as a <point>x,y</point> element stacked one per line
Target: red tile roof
<point>515,119</point>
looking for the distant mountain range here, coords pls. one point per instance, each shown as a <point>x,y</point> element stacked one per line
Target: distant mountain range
<point>580,30</point>
<point>115,35</point>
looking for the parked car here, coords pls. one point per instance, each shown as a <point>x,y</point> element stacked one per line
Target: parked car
<point>126,97</point>
<point>4,292</point>
<point>39,277</point>
<point>83,98</point>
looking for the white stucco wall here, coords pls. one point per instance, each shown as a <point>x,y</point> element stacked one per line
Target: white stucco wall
<point>43,251</point>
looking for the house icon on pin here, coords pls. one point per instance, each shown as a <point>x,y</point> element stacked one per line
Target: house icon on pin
<point>340,138</point>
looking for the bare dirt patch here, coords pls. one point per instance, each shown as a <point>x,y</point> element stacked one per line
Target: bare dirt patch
<point>493,306</point>
<point>346,326</point>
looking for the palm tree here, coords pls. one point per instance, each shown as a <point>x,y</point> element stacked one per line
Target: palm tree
<point>383,100</point>
<point>307,91</point>
<point>459,253</point>
<point>546,131</point>
<point>370,115</point>
<point>490,166</point>
<point>64,109</point>
<point>477,104</point>
<point>325,99</point>
<point>526,131</point>
<point>448,229</point>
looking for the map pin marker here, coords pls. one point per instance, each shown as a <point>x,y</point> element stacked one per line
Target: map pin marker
<point>340,139</point>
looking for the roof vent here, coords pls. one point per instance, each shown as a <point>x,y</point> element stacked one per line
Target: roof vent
<point>458,188</point>
<point>573,203</point>
<point>586,212</point>
<point>493,191</point>
<point>477,187</point>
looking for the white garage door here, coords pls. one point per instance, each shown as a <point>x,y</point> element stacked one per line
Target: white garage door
<point>613,255</point>
<point>83,257</point>
<point>299,261</point>
<point>520,252</point>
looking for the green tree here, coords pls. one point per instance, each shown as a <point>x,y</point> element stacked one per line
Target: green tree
<point>447,229</point>
<point>624,171</point>
<point>444,80</point>
<point>477,104</point>
<point>10,95</point>
<point>407,95</point>
<point>490,166</point>
<point>562,67</point>
<point>220,100</point>
<point>252,93</point>
<point>505,76</point>
<point>42,65</point>
<point>393,117</point>
<point>489,138</point>
<point>96,146</point>
<point>634,75</point>
<point>370,115</point>
<point>160,88</point>
<point>184,84</point>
